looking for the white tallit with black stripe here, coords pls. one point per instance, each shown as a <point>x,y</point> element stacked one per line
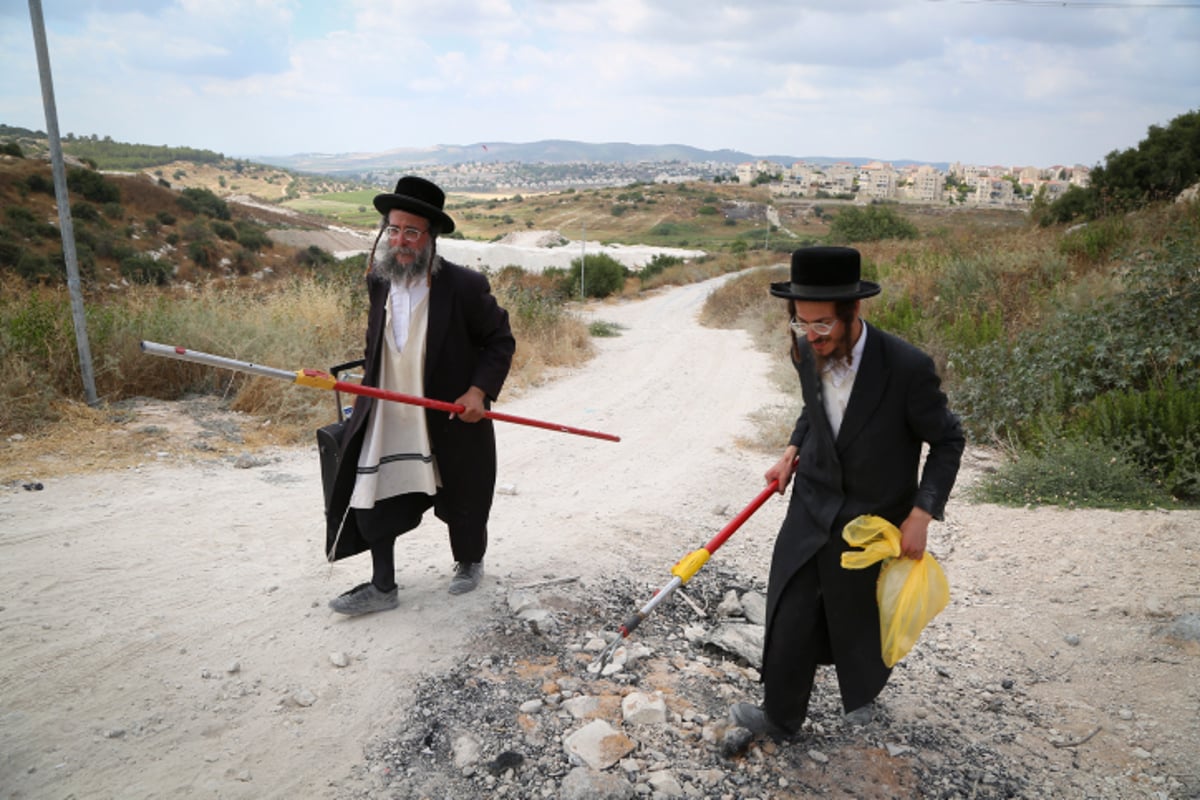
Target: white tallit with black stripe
<point>396,457</point>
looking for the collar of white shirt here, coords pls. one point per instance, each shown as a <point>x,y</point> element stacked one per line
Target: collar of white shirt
<point>837,372</point>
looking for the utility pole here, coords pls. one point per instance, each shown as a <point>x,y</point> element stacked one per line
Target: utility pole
<point>64,204</point>
<point>583,264</point>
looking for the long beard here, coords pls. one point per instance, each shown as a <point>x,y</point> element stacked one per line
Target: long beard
<point>389,266</point>
<point>841,353</point>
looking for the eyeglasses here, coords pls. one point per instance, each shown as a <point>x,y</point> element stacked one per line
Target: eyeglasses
<point>407,233</point>
<point>801,328</point>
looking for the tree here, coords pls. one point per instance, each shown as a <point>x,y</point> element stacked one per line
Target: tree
<point>1163,164</point>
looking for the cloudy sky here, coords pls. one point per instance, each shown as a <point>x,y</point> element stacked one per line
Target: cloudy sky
<point>1012,82</point>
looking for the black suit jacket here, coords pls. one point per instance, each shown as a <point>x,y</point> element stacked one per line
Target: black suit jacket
<point>468,343</point>
<point>872,467</point>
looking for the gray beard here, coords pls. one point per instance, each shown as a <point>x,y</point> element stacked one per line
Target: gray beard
<point>388,266</point>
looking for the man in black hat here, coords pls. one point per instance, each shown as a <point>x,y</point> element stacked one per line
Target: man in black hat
<point>871,402</point>
<point>435,330</point>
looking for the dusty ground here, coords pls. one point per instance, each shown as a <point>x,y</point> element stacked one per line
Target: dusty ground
<point>165,631</point>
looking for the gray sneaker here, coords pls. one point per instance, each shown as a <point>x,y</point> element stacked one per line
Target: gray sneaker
<point>863,715</point>
<point>364,599</point>
<point>755,720</point>
<point>466,577</point>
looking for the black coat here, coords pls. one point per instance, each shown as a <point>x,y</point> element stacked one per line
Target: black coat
<point>468,343</point>
<point>895,407</point>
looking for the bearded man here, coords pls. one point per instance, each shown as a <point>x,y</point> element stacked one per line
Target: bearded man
<point>434,330</point>
<point>871,403</point>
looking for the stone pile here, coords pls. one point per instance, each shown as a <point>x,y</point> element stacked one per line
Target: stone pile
<point>528,714</point>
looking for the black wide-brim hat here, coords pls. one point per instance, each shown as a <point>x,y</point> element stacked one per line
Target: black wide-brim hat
<point>417,196</point>
<point>825,273</point>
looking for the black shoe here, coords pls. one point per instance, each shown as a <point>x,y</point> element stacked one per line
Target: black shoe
<point>755,720</point>
<point>466,577</point>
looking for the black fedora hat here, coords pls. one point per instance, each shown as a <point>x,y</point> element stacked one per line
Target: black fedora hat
<point>417,196</point>
<point>825,273</point>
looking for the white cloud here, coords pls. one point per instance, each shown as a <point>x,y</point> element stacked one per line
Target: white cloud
<point>879,78</point>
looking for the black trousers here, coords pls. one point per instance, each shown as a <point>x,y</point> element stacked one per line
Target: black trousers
<point>799,643</point>
<point>394,516</point>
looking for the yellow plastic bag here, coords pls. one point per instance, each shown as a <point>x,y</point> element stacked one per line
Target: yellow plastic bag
<point>910,593</point>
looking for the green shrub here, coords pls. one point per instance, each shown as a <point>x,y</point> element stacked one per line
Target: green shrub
<point>143,268</point>
<point>599,275</point>
<point>204,253</point>
<point>203,201</point>
<point>165,217</point>
<point>602,329</point>
<point>85,211</point>
<point>1096,241</point>
<point>1071,473</point>
<point>657,264</point>
<point>314,257</point>
<point>34,267</point>
<point>38,182</point>
<point>92,185</point>
<point>1158,429</point>
<point>870,224</point>
<point>225,231</point>
<point>253,236</point>
<point>10,253</point>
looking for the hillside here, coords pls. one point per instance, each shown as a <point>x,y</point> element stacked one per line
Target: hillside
<point>139,228</point>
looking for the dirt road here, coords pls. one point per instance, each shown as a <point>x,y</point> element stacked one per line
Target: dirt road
<point>166,635</point>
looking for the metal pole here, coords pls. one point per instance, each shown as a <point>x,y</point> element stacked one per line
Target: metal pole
<point>64,204</point>
<point>583,264</point>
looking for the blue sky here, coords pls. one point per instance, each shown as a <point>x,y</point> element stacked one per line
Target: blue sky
<point>1011,82</point>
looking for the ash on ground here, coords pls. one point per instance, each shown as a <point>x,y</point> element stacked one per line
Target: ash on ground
<point>527,714</point>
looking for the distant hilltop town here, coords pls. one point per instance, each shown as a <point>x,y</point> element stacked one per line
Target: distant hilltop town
<point>964,184</point>
<point>956,184</point>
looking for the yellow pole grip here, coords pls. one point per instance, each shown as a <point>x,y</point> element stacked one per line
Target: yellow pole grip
<point>316,379</point>
<point>690,564</point>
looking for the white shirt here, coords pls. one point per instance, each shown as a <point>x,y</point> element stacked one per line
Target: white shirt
<point>837,381</point>
<point>404,298</point>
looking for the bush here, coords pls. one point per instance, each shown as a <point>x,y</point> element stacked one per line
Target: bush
<point>85,211</point>
<point>225,231</point>
<point>1157,429</point>
<point>204,253</point>
<point>142,268</point>
<point>253,236</point>
<point>603,330</point>
<point>870,224</point>
<point>1071,473</point>
<point>92,185</point>
<point>1096,241</point>
<point>203,201</point>
<point>38,182</point>
<point>314,257</point>
<point>599,275</point>
<point>657,264</point>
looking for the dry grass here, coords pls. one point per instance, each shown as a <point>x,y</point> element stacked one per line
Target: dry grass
<point>295,324</point>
